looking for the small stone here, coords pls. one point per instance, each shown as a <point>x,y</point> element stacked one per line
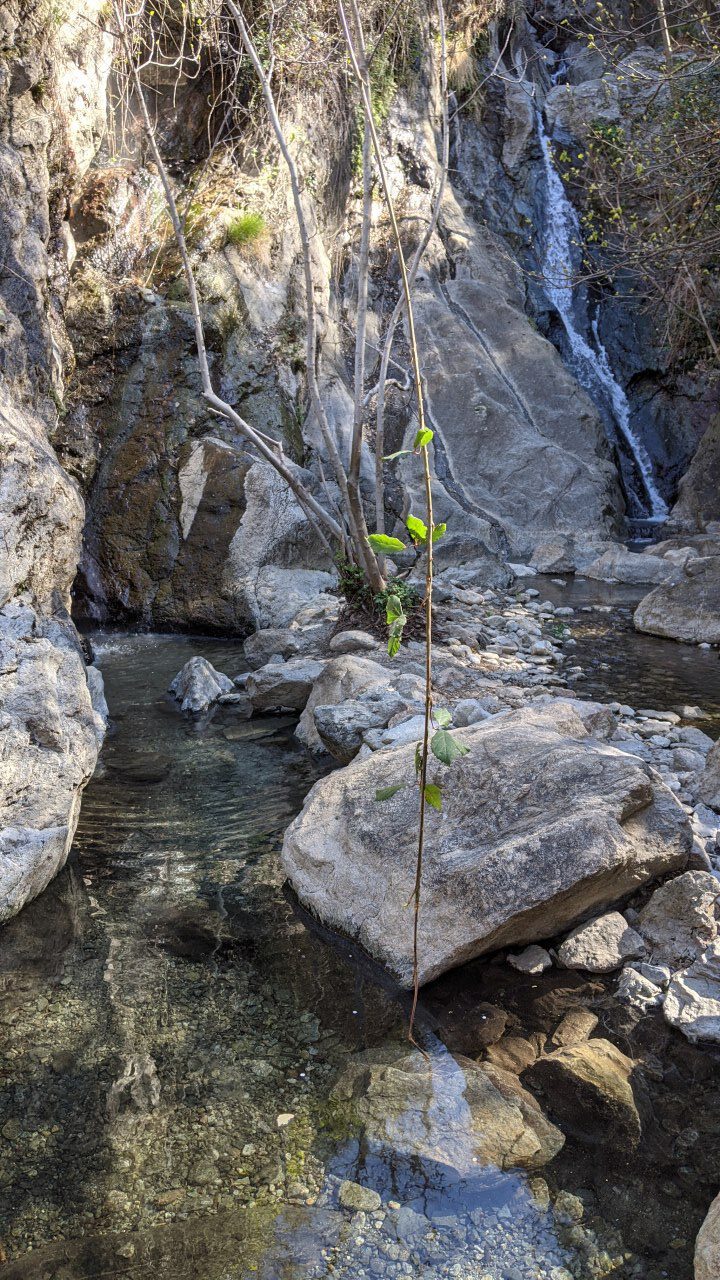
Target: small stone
<point>533,959</point>
<point>358,1199</point>
<point>284,1119</point>
<point>577,1025</point>
<point>468,711</point>
<point>635,990</point>
<point>117,1202</point>
<point>353,642</point>
<point>568,1208</point>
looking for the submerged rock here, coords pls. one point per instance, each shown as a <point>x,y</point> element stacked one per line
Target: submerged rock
<point>198,685</point>
<point>447,1110</point>
<point>602,945</point>
<point>540,825</point>
<point>688,609</point>
<point>588,1088</point>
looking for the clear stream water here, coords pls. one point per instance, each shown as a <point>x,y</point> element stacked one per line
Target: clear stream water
<point>171,1032</point>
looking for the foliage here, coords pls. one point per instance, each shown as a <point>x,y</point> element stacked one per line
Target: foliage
<point>245,229</point>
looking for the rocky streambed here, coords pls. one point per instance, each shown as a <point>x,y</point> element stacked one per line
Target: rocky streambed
<point>200,1080</point>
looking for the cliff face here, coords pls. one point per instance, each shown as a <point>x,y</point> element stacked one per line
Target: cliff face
<point>51,708</point>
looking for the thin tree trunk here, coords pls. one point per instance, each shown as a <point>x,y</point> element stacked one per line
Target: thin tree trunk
<point>412,272</point>
<point>355,513</point>
<point>415,357</point>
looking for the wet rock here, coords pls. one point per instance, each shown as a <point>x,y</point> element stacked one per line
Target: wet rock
<point>692,1001</point>
<point>358,1199</point>
<point>198,685</point>
<point>576,1026</point>
<point>533,959</point>
<point>512,1053</point>
<point>283,686</point>
<point>707,1245</point>
<point>602,945</point>
<point>487,1116</point>
<point>471,1025</point>
<point>516,855</point>
<point>681,918</point>
<point>587,1088</point>
<point>688,609</point>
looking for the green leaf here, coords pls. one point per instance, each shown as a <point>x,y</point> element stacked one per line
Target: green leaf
<point>433,796</point>
<point>442,717</point>
<point>418,758</point>
<point>423,437</point>
<point>447,748</point>
<point>438,531</point>
<point>416,529</point>
<point>393,645</point>
<point>384,793</point>
<point>393,609</point>
<point>381,542</point>
<point>388,457</point>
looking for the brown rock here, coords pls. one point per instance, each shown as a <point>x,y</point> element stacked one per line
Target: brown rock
<point>587,1088</point>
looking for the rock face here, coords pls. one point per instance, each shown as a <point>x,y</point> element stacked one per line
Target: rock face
<point>485,1116</point>
<point>50,741</point>
<point>707,1245</point>
<point>51,733</point>
<point>687,610</point>
<point>540,825</point>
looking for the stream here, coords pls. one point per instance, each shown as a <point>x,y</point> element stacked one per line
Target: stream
<point>172,1032</point>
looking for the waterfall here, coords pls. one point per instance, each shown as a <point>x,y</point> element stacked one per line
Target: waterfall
<point>591,364</point>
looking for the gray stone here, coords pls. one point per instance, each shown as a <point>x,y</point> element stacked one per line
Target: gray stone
<point>636,990</point>
<point>602,945</point>
<point>692,1002</point>
<point>410,730</point>
<point>681,918</point>
<point>688,609</point>
<point>518,853</point>
<point>659,974</point>
<point>709,784</point>
<point>468,711</point>
<point>341,728</point>
<point>341,679</point>
<point>533,959</point>
<point>621,565</point>
<point>198,685</point>
<point>283,686</point>
<point>353,642</point>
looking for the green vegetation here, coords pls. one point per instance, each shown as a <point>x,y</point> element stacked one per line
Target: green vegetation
<point>245,229</point>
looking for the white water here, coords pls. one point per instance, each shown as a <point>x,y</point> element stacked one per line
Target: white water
<point>592,366</point>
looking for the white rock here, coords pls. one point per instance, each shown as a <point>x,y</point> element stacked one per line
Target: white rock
<point>197,685</point>
<point>638,991</point>
<point>681,918</point>
<point>692,1003</point>
<point>533,959</point>
<point>707,1245</point>
<point>602,945</point>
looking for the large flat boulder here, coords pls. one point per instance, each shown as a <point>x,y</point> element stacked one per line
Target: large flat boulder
<point>541,826</point>
<point>688,609</point>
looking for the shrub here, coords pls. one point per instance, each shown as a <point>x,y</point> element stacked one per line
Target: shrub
<point>246,229</point>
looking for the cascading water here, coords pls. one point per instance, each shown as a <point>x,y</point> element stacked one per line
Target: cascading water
<point>562,235</point>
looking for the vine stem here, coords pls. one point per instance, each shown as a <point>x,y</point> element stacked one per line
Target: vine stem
<point>361,74</point>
